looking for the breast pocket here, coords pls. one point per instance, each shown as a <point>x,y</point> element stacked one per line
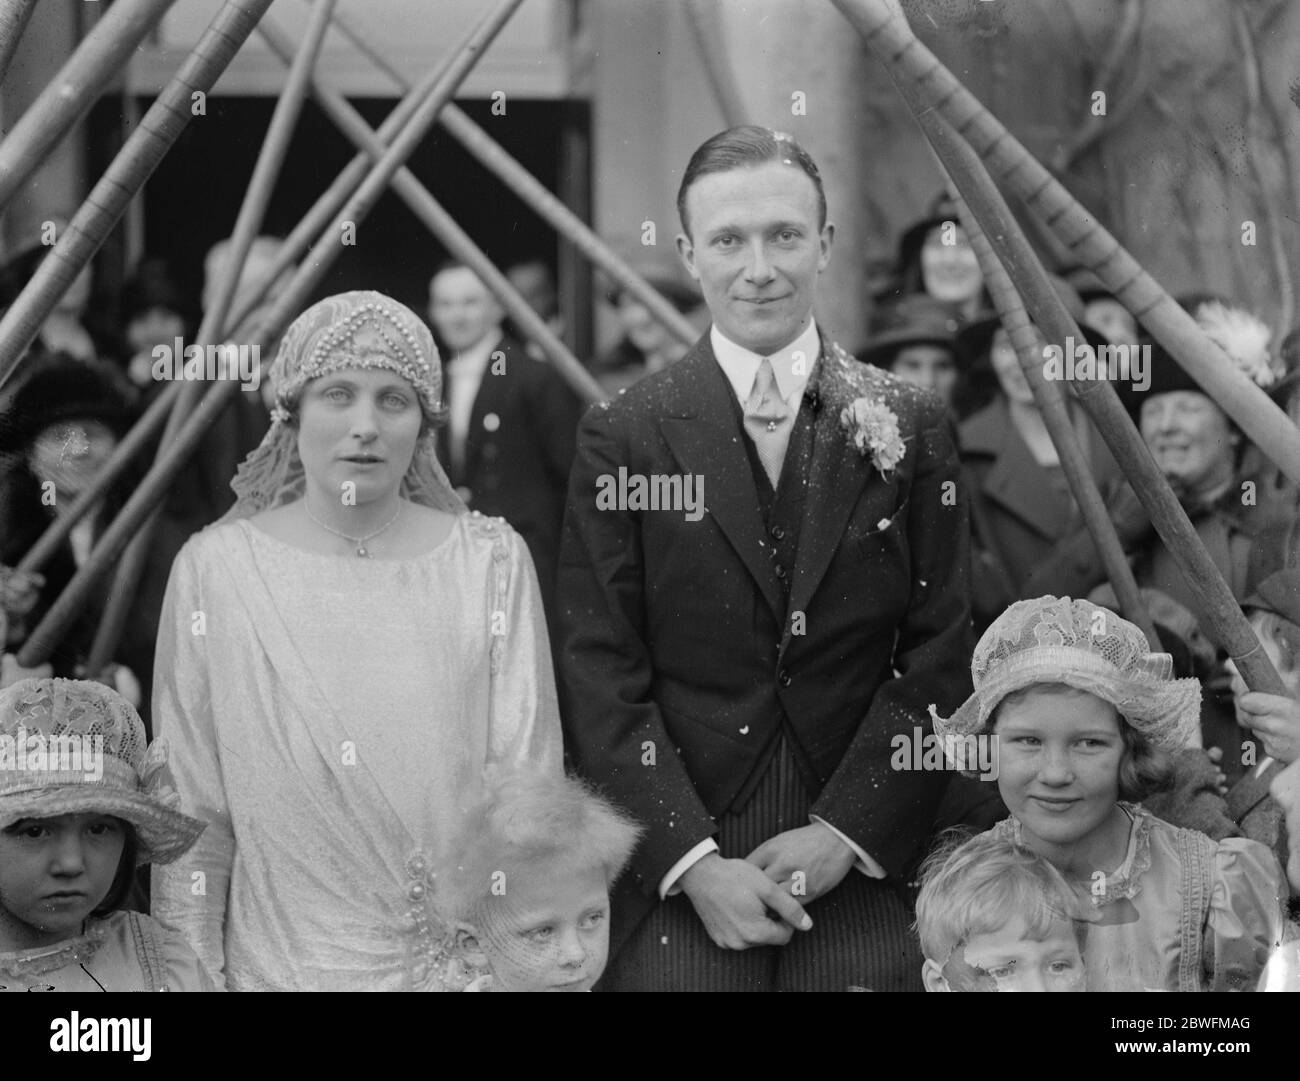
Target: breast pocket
<point>881,543</point>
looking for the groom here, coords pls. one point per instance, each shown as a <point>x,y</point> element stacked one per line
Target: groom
<point>736,680</point>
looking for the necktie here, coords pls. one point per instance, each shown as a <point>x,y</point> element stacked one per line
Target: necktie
<point>768,421</point>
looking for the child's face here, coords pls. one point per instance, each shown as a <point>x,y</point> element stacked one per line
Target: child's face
<point>1060,753</point>
<point>53,873</point>
<point>1009,959</point>
<point>549,931</point>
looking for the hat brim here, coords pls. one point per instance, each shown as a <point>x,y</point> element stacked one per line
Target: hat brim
<point>1166,711</point>
<point>884,346</point>
<point>163,834</point>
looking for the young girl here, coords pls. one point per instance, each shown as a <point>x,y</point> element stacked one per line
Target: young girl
<point>82,803</point>
<point>1085,718</point>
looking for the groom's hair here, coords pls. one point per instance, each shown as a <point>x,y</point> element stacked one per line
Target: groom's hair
<point>745,147</point>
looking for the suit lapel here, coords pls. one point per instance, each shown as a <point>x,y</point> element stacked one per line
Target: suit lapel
<point>706,441</point>
<point>836,479</point>
<point>1015,479</point>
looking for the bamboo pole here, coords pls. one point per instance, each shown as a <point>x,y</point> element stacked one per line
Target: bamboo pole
<point>41,642</point>
<point>13,21</point>
<point>497,160</point>
<point>248,223</point>
<point>1225,623</point>
<point>136,161</point>
<point>884,27</point>
<point>455,239</point>
<point>1051,404</point>
<point>295,245</point>
<point>96,61</point>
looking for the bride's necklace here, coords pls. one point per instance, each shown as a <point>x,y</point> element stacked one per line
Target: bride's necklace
<point>360,542</point>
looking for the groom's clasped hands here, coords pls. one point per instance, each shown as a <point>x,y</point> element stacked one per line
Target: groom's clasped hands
<point>752,902</point>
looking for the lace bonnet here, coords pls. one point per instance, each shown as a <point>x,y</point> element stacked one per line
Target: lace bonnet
<point>1080,644</point>
<point>71,746</point>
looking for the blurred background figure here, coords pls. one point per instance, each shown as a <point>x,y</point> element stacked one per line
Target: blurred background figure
<point>512,425</point>
<point>915,337</point>
<point>1102,310</point>
<point>57,433</point>
<point>154,312</point>
<point>536,284</point>
<point>646,345</point>
<point>65,329</point>
<point>1022,507</point>
<point>935,258</point>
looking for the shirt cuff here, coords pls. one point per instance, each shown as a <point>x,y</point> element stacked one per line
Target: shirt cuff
<point>863,863</point>
<point>668,885</point>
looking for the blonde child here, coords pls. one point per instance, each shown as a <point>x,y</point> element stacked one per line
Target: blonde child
<point>530,893</point>
<point>1086,719</point>
<point>82,803</point>
<point>996,916</point>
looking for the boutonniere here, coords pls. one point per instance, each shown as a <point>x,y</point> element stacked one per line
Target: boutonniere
<point>872,428</point>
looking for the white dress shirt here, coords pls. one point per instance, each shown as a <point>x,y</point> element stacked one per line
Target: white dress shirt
<point>792,365</point>
<point>464,376</point>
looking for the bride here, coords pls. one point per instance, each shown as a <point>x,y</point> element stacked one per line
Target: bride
<point>338,660</point>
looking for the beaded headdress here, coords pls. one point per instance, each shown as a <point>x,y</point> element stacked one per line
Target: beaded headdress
<point>360,329</point>
<point>71,746</point>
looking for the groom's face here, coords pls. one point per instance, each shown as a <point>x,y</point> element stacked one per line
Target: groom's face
<point>756,249</point>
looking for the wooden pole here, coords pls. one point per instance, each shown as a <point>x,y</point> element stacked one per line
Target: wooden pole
<point>134,164</point>
<point>13,21</point>
<point>884,27</point>
<point>304,234</point>
<point>1225,623</point>
<point>1051,405</point>
<point>455,239</point>
<point>41,642</point>
<point>96,61</point>
<point>248,223</point>
<point>497,160</point>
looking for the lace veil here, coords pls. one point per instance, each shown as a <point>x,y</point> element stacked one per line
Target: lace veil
<point>360,329</point>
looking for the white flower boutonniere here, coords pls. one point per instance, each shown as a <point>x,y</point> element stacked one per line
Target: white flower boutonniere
<point>873,429</point>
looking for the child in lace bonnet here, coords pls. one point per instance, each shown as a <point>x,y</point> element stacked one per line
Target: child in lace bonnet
<point>529,895</point>
<point>82,803</point>
<point>1085,716</point>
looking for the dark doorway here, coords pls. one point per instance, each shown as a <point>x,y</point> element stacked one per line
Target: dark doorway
<point>193,198</point>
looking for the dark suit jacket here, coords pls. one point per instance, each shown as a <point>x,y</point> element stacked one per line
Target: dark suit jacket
<point>675,646</point>
<point>518,451</point>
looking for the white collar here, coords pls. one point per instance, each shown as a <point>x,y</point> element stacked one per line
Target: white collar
<point>791,364</point>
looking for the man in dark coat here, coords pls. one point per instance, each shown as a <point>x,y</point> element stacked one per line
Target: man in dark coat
<point>764,586</point>
<point>510,437</point>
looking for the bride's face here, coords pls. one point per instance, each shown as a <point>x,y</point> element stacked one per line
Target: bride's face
<point>357,432</point>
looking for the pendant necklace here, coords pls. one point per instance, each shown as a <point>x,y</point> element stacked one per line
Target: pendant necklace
<point>360,542</point>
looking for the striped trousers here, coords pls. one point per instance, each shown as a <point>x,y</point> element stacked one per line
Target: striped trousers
<point>861,936</point>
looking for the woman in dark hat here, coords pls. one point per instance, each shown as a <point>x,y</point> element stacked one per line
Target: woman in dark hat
<point>915,337</point>
<point>936,258</point>
<point>154,312</point>
<point>60,428</point>
<point>1022,508</point>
